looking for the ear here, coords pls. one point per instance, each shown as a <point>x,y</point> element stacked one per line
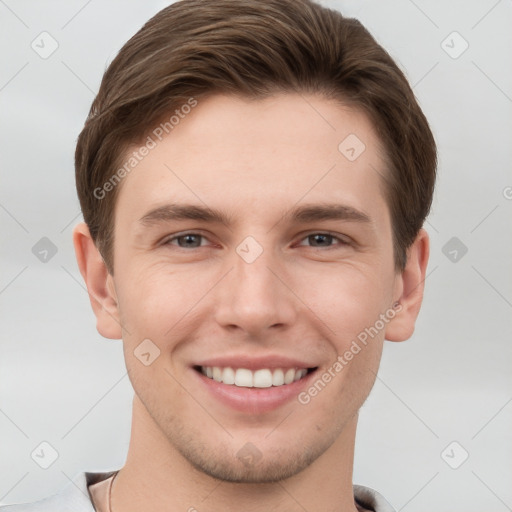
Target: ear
<point>99,282</point>
<point>409,288</point>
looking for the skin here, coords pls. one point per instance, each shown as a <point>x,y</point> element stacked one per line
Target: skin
<point>303,297</point>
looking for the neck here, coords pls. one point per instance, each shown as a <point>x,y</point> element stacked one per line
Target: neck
<point>157,477</point>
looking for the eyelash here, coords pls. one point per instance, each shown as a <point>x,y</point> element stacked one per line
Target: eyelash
<point>341,241</point>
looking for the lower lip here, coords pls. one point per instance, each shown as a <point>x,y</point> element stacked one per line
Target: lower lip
<point>254,400</point>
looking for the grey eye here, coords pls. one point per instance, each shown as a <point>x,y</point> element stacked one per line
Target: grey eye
<point>320,240</point>
<point>188,240</point>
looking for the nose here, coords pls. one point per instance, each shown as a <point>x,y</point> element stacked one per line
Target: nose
<point>256,296</point>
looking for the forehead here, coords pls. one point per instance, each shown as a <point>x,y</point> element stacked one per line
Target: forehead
<point>257,154</point>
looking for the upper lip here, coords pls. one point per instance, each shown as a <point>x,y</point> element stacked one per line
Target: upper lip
<point>255,363</point>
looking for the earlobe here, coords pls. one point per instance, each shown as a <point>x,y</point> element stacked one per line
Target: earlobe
<point>99,282</point>
<point>410,286</point>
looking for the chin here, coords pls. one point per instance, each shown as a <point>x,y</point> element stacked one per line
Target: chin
<point>265,470</point>
<point>243,462</point>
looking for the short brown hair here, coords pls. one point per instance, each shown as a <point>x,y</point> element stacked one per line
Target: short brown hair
<point>254,48</point>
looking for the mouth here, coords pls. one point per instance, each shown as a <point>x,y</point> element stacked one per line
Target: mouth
<point>259,378</point>
<point>253,384</point>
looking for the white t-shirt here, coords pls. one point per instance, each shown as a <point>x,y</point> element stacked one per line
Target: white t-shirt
<point>90,492</point>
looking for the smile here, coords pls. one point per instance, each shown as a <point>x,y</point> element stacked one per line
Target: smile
<point>261,378</point>
<point>254,385</point>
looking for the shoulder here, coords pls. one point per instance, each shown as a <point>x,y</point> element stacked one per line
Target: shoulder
<point>371,499</point>
<point>74,497</point>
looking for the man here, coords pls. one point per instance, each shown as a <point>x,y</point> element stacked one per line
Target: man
<point>254,177</point>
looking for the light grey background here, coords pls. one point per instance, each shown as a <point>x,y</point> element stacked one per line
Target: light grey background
<point>62,383</point>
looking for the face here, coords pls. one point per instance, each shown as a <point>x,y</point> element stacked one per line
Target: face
<point>252,252</point>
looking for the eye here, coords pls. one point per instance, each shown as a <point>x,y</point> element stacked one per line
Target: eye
<point>186,240</point>
<point>324,240</point>
<point>316,240</point>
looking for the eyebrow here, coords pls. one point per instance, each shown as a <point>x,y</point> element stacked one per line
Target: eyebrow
<point>312,213</point>
<point>300,214</point>
<point>176,211</point>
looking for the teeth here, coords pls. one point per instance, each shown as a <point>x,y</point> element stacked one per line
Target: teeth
<point>289,376</point>
<point>264,378</point>
<point>299,375</point>
<point>217,374</point>
<point>243,378</point>
<point>228,376</point>
<point>278,377</point>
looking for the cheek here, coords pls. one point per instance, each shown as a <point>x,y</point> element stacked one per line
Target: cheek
<point>349,299</point>
<point>156,300</point>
